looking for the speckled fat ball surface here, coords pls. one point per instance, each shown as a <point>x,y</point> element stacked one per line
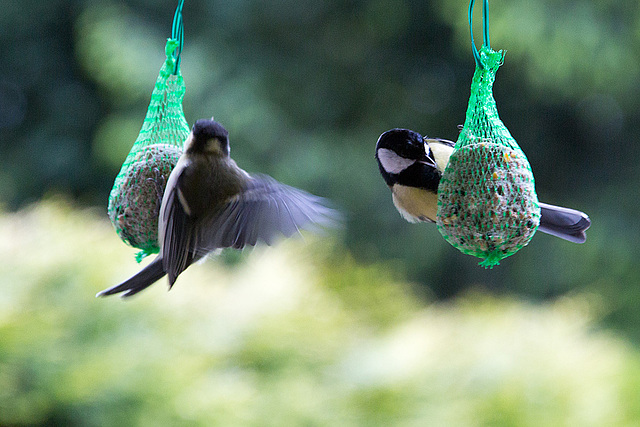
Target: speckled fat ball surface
<point>135,203</point>
<point>487,204</point>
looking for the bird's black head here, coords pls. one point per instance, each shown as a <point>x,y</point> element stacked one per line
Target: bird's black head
<point>209,137</point>
<point>406,143</point>
<point>404,158</point>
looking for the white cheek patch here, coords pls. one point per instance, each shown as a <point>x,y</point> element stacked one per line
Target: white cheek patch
<point>391,162</point>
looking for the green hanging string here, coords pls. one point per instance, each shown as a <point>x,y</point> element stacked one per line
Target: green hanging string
<point>485,30</point>
<point>177,34</point>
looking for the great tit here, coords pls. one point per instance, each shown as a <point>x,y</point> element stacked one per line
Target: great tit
<point>210,203</point>
<point>412,166</point>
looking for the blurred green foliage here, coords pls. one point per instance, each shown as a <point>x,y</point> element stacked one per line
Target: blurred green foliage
<point>305,89</point>
<point>298,334</point>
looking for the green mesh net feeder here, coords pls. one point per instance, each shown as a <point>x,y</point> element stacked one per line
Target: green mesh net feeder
<point>487,203</point>
<point>134,201</point>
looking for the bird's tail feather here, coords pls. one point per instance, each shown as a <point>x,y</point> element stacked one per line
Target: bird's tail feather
<point>140,281</point>
<point>565,223</point>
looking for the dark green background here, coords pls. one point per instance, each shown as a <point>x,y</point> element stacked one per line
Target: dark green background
<point>305,87</point>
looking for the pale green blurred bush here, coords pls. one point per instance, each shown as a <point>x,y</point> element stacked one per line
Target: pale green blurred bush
<point>299,334</point>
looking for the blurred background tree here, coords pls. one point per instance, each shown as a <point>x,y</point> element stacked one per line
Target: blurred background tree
<point>305,89</point>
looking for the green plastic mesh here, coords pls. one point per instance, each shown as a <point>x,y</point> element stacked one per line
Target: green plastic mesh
<point>134,202</point>
<point>487,203</point>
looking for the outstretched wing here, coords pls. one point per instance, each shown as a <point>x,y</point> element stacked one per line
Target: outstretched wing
<point>265,210</point>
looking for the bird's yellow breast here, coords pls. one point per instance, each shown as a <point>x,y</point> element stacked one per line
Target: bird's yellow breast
<point>415,204</point>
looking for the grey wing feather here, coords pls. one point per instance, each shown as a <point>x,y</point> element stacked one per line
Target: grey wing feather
<point>265,210</point>
<point>177,232</point>
<point>568,224</point>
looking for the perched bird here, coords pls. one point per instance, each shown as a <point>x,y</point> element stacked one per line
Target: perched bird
<point>412,166</point>
<point>210,203</point>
